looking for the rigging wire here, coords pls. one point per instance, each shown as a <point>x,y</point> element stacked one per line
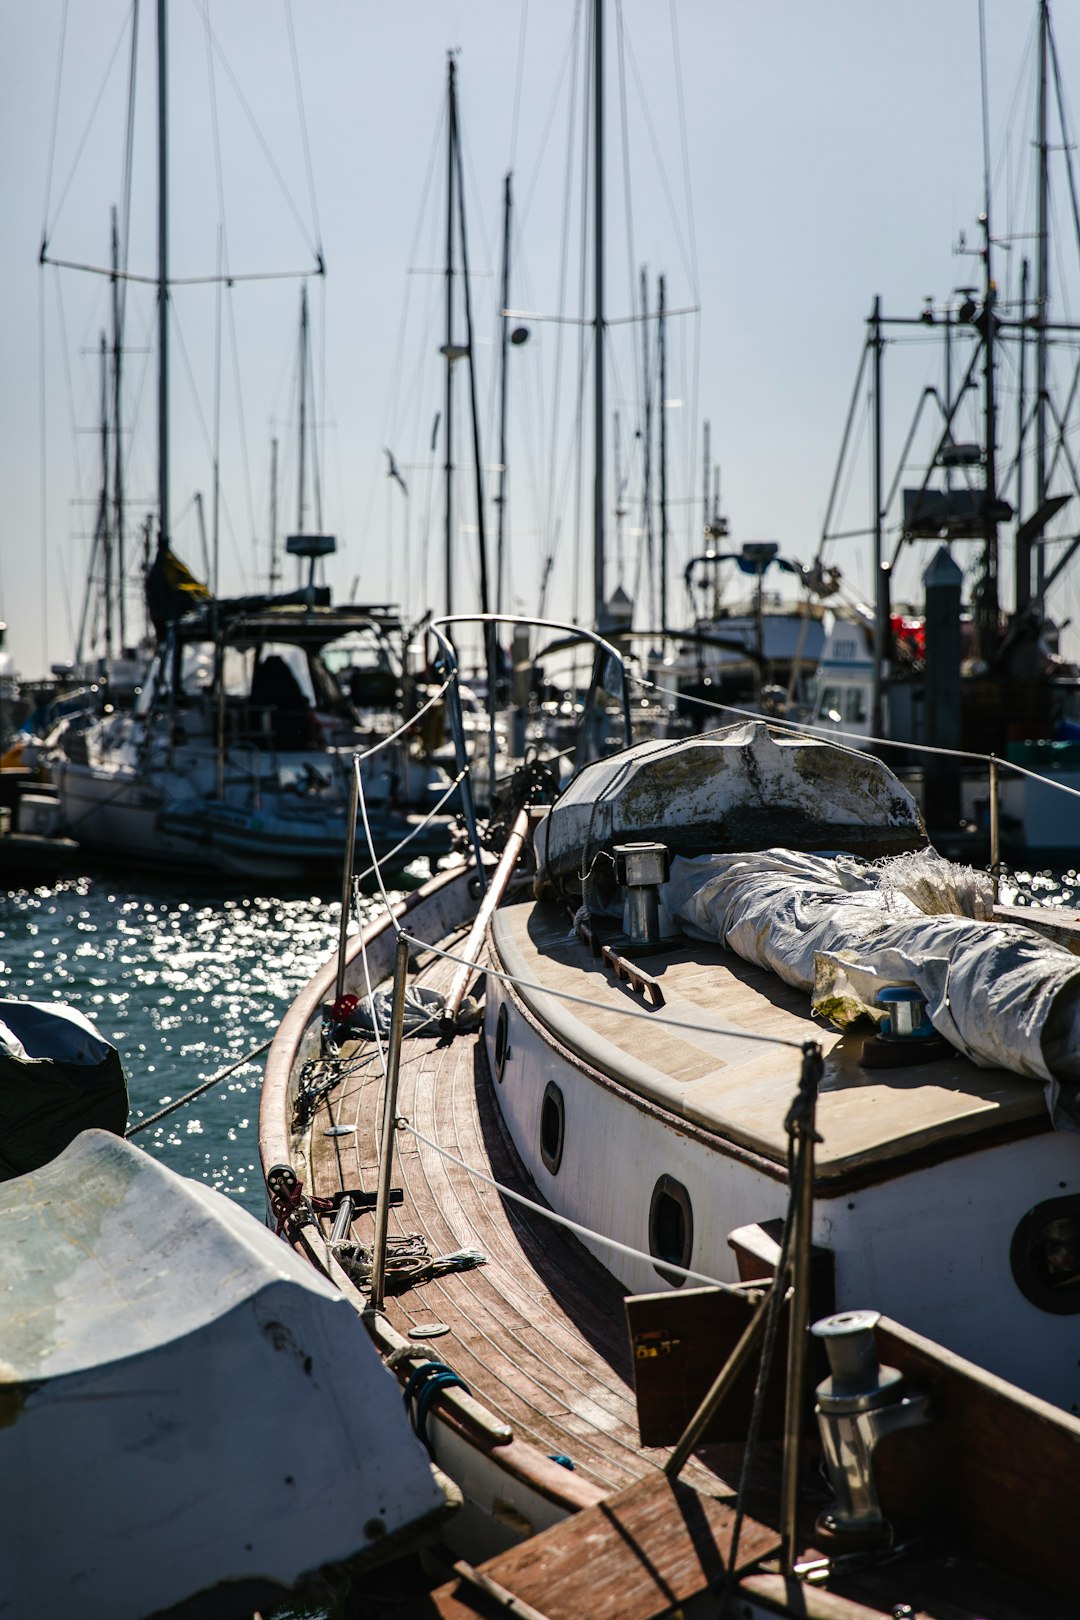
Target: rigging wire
<point>552,520</point>
<point>518,82</point>
<point>312,246</point>
<point>305,141</point>
<point>46,232</point>
<point>660,163</point>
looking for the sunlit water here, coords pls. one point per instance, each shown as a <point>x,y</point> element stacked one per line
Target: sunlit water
<point>183,982</point>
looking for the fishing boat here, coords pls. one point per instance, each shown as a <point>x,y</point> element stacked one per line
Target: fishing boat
<point>589,1070</point>
<point>975,665</point>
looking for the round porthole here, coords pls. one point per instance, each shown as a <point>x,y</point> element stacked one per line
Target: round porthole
<point>552,1126</point>
<point>1045,1255</point>
<point>671,1228</point>
<point>502,1040</point>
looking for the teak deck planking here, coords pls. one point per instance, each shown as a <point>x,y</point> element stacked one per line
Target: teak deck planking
<point>538,1333</point>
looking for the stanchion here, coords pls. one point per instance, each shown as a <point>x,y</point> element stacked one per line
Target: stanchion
<point>995,839</point>
<point>346,879</point>
<point>389,1125</point>
<point>800,1124</point>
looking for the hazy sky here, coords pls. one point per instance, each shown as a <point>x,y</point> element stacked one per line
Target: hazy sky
<point>785,161</point>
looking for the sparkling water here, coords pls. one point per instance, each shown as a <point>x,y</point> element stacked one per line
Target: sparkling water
<point>183,982</point>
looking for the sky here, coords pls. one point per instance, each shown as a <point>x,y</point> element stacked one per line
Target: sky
<point>780,163</point>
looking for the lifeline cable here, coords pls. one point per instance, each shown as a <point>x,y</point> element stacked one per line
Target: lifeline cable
<point>170,1108</point>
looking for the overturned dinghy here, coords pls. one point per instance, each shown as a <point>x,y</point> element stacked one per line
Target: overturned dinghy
<point>193,1420</point>
<point>744,787</point>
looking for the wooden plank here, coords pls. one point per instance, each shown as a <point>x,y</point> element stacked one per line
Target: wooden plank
<point>1060,925</point>
<point>971,1466</point>
<point>679,1343</point>
<point>636,1556</point>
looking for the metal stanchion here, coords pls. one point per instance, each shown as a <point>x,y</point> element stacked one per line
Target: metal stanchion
<point>801,1214</point>
<point>389,1125</point>
<point>995,838</point>
<point>346,879</point>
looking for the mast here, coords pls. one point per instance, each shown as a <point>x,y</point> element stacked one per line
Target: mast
<point>302,476</point>
<point>118,459</point>
<point>646,394</point>
<point>163,281</point>
<point>705,483</point>
<point>448,469</point>
<point>275,571</point>
<point>598,309</point>
<point>1042,304</point>
<point>103,509</point>
<point>881,603</point>
<point>661,306</point>
<point>504,334</point>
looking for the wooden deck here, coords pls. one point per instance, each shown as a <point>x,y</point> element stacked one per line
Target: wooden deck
<point>539,1332</point>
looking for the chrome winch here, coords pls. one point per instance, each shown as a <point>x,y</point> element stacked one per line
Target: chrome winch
<point>857,1406</point>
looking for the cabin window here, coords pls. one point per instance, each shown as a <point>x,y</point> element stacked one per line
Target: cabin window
<point>502,1041</point>
<point>1045,1255</point>
<point>671,1227</point>
<point>829,704</point>
<point>552,1127</point>
<point>855,706</point>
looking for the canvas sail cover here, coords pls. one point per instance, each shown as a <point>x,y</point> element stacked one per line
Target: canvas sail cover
<point>841,929</point>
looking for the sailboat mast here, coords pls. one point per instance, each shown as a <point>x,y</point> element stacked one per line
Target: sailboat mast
<point>448,468</point>
<point>275,571</point>
<point>163,281</point>
<point>118,459</point>
<point>500,553</point>
<point>302,475</point>
<point>103,509</point>
<point>661,307</point>
<point>1042,304</point>
<point>598,309</point>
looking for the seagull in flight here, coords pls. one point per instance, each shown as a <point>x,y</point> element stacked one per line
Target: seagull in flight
<point>392,472</point>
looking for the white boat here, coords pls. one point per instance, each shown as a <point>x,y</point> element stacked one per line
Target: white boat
<point>193,1420</point>
<point>637,1081</point>
<point>238,753</point>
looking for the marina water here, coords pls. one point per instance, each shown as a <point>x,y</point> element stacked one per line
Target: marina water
<point>185,981</point>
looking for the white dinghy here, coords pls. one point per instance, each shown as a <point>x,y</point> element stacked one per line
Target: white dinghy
<point>191,1419</point>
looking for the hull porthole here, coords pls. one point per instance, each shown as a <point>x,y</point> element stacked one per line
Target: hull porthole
<point>671,1228</point>
<point>552,1127</point>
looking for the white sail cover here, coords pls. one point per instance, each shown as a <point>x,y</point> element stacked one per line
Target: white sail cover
<point>189,1413</point>
<point>841,929</point>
